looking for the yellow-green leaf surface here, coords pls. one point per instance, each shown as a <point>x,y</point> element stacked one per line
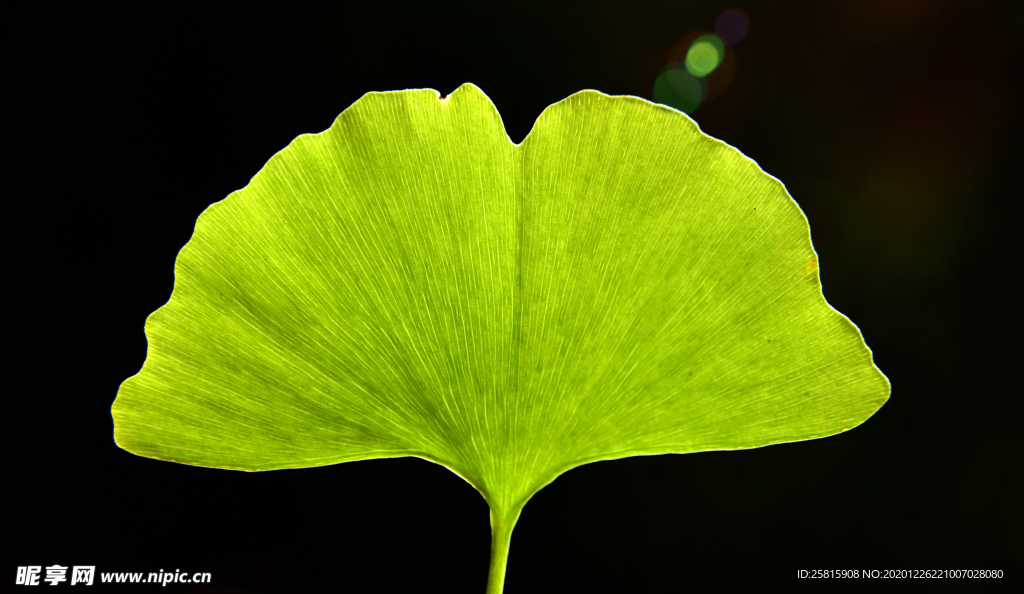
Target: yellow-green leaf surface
<point>411,283</point>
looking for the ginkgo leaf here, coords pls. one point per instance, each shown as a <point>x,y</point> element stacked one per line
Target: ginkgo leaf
<point>411,283</point>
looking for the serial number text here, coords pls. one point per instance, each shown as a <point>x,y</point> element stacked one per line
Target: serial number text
<point>898,574</point>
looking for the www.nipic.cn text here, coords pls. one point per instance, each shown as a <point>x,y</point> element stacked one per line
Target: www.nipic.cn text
<point>85,575</point>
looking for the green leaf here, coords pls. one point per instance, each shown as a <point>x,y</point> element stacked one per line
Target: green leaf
<point>411,283</point>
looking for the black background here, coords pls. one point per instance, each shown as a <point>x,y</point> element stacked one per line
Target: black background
<point>894,125</point>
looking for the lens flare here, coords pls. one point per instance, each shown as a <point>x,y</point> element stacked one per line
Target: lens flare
<point>678,88</point>
<point>732,26</point>
<point>719,80</point>
<point>685,84</point>
<point>701,65</point>
<point>704,55</point>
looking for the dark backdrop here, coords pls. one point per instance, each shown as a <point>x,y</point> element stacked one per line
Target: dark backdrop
<point>894,125</point>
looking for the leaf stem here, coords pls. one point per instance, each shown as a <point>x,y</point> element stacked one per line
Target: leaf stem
<point>501,538</point>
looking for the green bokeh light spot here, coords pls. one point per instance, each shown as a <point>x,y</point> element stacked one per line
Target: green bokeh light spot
<point>667,89</point>
<point>702,59</point>
<point>704,55</point>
